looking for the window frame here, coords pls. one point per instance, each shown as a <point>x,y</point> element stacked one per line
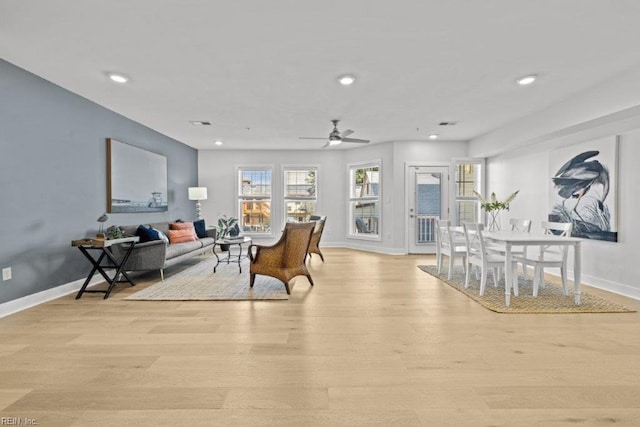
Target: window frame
<point>285,199</point>
<point>480,187</point>
<point>352,199</point>
<point>240,198</point>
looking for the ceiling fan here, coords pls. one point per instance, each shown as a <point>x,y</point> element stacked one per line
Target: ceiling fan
<point>335,137</point>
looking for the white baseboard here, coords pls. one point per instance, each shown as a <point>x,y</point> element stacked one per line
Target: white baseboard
<point>16,305</point>
<point>608,285</point>
<point>364,247</point>
<point>596,282</point>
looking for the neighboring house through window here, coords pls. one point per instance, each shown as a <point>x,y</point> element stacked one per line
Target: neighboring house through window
<point>300,193</point>
<point>254,199</point>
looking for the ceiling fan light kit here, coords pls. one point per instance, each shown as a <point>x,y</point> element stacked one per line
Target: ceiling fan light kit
<point>336,138</point>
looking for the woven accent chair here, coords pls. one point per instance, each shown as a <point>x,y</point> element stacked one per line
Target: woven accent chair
<point>286,259</point>
<point>317,234</point>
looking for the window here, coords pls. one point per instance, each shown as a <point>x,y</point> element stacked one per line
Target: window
<point>300,193</point>
<point>254,200</point>
<point>364,200</point>
<point>468,177</point>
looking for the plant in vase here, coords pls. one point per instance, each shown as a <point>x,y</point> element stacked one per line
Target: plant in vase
<point>225,224</point>
<point>493,206</point>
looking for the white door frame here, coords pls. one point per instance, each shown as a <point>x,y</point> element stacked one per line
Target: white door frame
<point>407,190</point>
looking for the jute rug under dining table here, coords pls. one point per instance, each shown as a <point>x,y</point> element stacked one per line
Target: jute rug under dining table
<point>550,299</point>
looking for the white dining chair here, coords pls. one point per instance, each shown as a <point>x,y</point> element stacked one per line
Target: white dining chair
<point>552,256</point>
<point>479,255</point>
<point>519,226</point>
<point>450,245</point>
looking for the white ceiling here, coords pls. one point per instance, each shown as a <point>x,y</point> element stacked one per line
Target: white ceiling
<point>264,72</point>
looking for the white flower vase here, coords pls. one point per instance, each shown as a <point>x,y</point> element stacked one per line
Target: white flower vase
<point>493,221</point>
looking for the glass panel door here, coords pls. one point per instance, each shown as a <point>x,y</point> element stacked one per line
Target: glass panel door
<point>428,202</point>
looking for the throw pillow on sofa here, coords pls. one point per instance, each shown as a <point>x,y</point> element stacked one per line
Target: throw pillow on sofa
<point>180,236</point>
<point>147,234</point>
<point>161,235</point>
<point>183,226</point>
<point>201,228</point>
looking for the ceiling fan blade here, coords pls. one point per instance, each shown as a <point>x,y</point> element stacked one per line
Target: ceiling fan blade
<point>346,133</point>
<point>362,141</point>
<point>326,145</point>
<point>310,137</point>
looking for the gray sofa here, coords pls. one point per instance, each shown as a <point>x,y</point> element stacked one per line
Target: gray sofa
<point>157,254</point>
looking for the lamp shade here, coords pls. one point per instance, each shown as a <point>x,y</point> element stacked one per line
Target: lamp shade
<point>197,193</point>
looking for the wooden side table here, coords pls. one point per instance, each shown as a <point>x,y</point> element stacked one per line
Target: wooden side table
<point>102,247</point>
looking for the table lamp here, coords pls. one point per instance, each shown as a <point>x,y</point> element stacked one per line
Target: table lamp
<point>197,194</point>
<point>102,219</point>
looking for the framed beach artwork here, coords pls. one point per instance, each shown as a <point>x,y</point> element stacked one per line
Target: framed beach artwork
<point>584,181</point>
<point>136,179</point>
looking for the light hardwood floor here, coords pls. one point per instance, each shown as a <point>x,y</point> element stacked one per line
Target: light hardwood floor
<point>375,342</point>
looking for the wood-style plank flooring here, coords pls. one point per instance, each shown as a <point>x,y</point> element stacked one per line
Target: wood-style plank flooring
<point>375,342</point>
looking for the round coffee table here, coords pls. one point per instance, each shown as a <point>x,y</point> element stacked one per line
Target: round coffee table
<point>229,243</point>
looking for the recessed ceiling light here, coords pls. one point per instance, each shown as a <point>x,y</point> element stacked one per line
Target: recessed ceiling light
<point>346,79</point>
<point>118,78</point>
<point>218,142</point>
<point>433,136</point>
<point>199,123</point>
<point>527,80</point>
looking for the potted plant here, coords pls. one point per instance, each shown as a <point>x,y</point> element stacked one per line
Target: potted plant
<point>225,224</point>
<point>494,207</point>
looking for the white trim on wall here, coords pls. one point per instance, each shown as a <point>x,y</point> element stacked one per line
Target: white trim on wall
<point>16,305</point>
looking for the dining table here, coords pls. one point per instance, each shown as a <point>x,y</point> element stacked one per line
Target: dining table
<point>516,238</point>
<point>510,238</point>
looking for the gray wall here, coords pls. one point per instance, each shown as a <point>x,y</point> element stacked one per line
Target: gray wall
<point>53,179</point>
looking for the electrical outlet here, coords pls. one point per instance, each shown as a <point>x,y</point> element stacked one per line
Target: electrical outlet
<point>6,273</point>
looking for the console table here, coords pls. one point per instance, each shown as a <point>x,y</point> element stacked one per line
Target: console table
<point>229,257</point>
<point>111,263</point>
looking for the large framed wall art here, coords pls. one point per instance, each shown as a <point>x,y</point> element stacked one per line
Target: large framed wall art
<point>584,179</point>
<point>136,179</point>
